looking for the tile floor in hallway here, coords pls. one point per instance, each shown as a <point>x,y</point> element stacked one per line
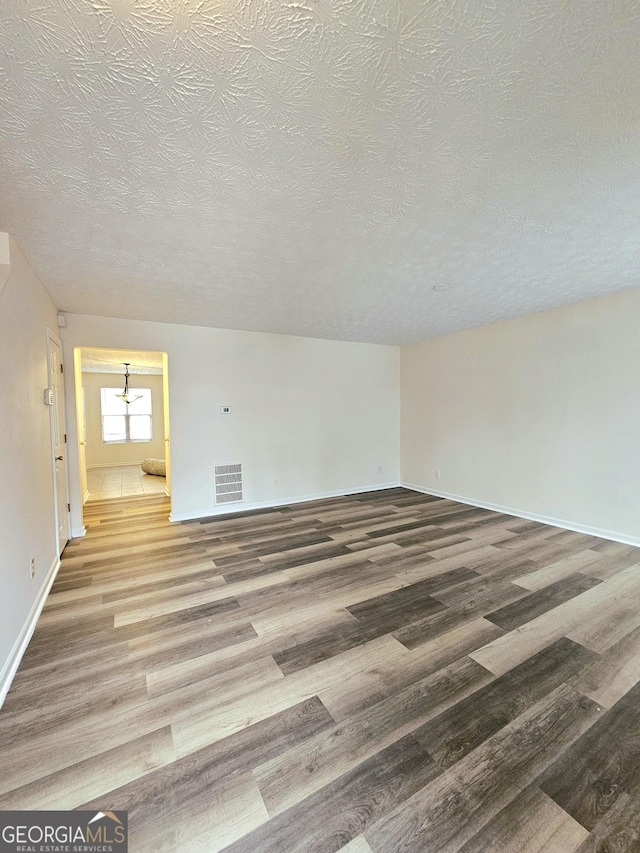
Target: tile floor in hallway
<point>124,481</point>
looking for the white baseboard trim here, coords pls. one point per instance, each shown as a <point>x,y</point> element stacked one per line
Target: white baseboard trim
<point>78,532</point>
<point>13,661</point>
<point>114,465</point>
<point>613,535</point>
<point>247,507</point>
<point>86,497</point>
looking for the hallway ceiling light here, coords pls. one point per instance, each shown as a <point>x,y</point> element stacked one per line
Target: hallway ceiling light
<point>126,394</point>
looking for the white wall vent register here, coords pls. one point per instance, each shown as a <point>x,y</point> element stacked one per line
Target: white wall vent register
<point>228,483</point>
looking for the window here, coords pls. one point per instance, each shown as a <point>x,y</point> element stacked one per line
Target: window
<point>122,422</point>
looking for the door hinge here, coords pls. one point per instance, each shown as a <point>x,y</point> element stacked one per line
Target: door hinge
<point>65,438</point>
<point>68,507</point>
<point>62,368</point>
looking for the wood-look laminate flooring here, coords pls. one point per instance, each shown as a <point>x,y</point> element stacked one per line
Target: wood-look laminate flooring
<point>381,672</point>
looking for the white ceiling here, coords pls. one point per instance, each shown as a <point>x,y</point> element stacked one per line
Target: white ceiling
<point>315,167</point>
<point>95,360</point>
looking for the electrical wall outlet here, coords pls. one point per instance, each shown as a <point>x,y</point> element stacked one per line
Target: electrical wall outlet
<point>380,469</point>
<point>32,567</point>
<point>436,473</point>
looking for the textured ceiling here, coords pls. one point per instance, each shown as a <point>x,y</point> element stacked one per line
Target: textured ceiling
<point>316,167</point>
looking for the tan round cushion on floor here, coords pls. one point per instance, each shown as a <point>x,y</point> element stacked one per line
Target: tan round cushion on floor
<point>154,466</point>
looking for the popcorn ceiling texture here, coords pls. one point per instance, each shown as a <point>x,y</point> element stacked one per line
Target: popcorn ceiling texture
<point>316,167</point>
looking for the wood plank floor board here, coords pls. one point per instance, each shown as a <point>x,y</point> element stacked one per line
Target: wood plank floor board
<point>358,845</point>
<point>241,678</point>
<point>609,565</point>
<point>618,830</point>
<point>456,732</point>
<point>284,544</point>
<point>188,590</point>
<point>482,602</point>
<point>447,813</point>
<point>486,578</point>
<point>614,549</point>
<point>341,639</point>
<point>44,674</point>
<point>271,618</point>
<point>306,563</point>
<point>247,569</point>
<point>214,818</point>
<point>429,531</point>
<point>527,608</point>
<point>96,776</point>
<point>467,543</point>
<point>604,763</point>
<point>526,535</point>
<point>612,674</point>
<point>193,727</point>
<point>327,676</point>
<point>405,557</point>
<point>552,571</point>
<point>166,791</point>
<point>407,600</point>
<point>298,772</point>
<point>149,542</point>
<point>157,655</point>
<point>328,581</point>
<point>531,823</point>
<point>270,531</point>
<point>238,655</point>
<point>42,684</point>
<point>121,577</point>
<point>332,817</point>
<point>180,617</point>
<point>34,722</point>
<point>126,615</point>
<point>445,542</point>
<point>415,564</point>
<point>89,605</point>
<point>611,623</point>
<point>388,677</point>
<point>333,642</point>
<point>558,546</point>
<point>203,577</point>
<point>80,641</point>
<point>584,617</point>
<point>478,520</point>
<point>146,552</point>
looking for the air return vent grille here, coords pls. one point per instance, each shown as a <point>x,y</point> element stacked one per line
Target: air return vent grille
<point>228,484</point>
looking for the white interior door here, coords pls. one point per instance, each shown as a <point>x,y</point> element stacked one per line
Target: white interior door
<point>58,441</point>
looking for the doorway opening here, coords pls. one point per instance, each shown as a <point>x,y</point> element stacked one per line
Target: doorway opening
<point>120,433</point>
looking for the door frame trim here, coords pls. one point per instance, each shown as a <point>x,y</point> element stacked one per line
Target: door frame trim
<point>52,337</point>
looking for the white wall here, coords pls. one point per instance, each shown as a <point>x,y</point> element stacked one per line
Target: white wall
<point>99,453</point>
<point>27,526</point>
<point>317,416</point>
<point>539,415</point>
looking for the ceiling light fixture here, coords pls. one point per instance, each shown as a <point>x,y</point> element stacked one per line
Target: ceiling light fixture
<point>441,287</point>
<point>126,394</point>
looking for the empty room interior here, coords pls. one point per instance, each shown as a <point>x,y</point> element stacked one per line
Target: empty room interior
<point>319,326</point>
